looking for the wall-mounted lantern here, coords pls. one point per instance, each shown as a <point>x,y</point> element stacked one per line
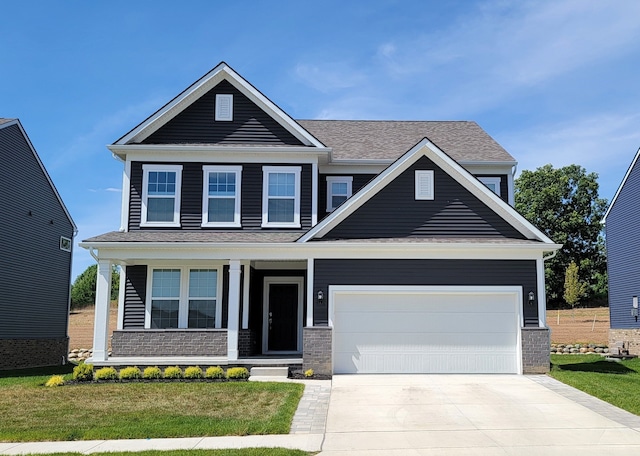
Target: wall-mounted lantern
<point>320,296</point>
<point>634,309</point>
<point>532,298</point>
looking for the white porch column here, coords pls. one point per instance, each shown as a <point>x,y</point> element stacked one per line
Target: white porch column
<point>310,294</point>
<point>101,322</point>
<point>234,310</point>
<point>542,296</point>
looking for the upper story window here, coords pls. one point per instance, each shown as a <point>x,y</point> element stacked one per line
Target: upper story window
<point>224,107</point>
<point>338,190</point>
<point>161,195</point>
<point>424,185</point>
<point>281,196</point>
<point>492,183</point>
<point>221,196</point>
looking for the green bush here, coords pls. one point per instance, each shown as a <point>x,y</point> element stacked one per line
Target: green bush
<point>106,373</point>
<point>152,373</point>
<point>83,372</point>
<point>173,372</point>
<point>237,373</point>
<point>55,380</point>
<point>214,372</point>
<point>193,372</point>
<point>130,373</point>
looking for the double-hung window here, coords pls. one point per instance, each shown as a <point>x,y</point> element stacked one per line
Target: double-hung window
<point>183,298</point>
<point>281,196</point>
<point>161,195</point>
<point>492,183</point>
<point>338,190</point>
<point>221,196</point>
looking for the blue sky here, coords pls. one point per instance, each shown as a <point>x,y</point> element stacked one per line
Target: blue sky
<point>552,81</point>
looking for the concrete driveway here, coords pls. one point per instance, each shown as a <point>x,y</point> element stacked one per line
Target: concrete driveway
<point>469,415</point>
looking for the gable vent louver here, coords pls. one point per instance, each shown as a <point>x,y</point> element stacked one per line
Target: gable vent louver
<point>424,185</point>
<point>224,107</point>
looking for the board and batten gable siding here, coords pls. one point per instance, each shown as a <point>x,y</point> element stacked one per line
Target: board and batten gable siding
<point>191,196</point>
<point>197,124</point>
<point>35,274</point>
<point>425,272</point>
<point>454,212</point>
<point>623,252</point>
<point>359,181</point>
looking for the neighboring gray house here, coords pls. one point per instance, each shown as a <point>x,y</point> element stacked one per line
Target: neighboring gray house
<point>250,238</point>
<point>35,265</point>
<point>623,260</point>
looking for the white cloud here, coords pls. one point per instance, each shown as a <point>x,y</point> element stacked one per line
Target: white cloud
<point>113,189</point>
<point>330,76</point>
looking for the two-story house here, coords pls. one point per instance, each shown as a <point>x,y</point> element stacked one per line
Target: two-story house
<point>250,238</point>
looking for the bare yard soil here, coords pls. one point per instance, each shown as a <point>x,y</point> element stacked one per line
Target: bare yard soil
<point>81,326</point>
<point>589,325</point>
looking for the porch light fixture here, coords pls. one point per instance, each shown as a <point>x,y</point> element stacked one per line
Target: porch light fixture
<point>634,309</point>
<point>532,297</point>
<point>320,296</point>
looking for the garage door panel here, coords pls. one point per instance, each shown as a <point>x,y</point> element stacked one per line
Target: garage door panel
<point>426,331</point>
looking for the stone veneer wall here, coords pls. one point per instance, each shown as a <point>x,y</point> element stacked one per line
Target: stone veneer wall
<point>316,350</point>
<point>625,335</point>
<point>23,353</point>
<point>246,343</point>
<point>169,342</point>
<point>536,343</point>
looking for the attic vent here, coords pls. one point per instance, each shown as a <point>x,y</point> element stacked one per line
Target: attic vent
<point>424,185</point>
<point>224,107</point>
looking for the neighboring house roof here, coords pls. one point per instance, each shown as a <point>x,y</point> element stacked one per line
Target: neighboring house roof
<point>221,72</point>
<point>464,141</point>
<point>5,123</point>
<point>624,180</point>
<point>451,167</point>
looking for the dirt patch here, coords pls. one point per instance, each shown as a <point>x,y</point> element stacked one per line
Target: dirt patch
<point>81,326</point>
<point>579,326</point>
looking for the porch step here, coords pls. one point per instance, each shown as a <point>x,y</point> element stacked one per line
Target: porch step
<point>269,372</point>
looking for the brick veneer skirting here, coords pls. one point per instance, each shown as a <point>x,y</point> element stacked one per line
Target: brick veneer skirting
<point>536,343</point>
<point>316,349</point>
<point>22,353</point>
<point>625,335</point>
<point>246,343</point>
<point>169,342</point>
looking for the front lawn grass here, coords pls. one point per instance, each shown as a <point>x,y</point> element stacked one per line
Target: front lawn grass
<point>31,412</point>
<point>613,382</point>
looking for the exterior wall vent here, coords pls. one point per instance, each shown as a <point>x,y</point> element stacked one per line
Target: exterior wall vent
<point>224,107</point>
<point>65,244</point>
<point>424,185</point>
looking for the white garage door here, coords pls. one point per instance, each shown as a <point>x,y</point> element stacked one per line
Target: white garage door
<point>425,329</point>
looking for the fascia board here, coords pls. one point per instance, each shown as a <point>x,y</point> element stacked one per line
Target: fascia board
<point>624,181</point>
<point>44,170</point>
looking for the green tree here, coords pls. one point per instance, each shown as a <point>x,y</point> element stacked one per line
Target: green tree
<point>83,290</point>
<point>574,289</point>
<point>565,205</point>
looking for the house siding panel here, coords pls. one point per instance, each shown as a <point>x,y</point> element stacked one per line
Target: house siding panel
<point>34,272</point>
<point>425,272</point>
<point>196,124</point>
<point>135,297</point>
<point>191,196</point>
<point>454,212</point>
<point>623,252</point>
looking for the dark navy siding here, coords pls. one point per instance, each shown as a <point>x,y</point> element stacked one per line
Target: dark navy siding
<point>623,252</point>
<point>135,297</point>
<point>35,274</point>
<point>454,212</point>
<point>359,181</point>
<point>196,124</point>
<point>425,272</point>
<point>191,196</point>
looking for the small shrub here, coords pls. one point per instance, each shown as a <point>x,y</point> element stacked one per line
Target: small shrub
<point>106,373</point>
<point>173,372</point>
<point>193,372</point>
<point>55,380</point>
<point>83,372</point>
<point>237,373</point>
<point>130,373</point>
<point>308,373</point>
<point>152,373</point>
<point>214,372</point>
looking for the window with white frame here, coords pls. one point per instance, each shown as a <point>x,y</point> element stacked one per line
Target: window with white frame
<point>161,195</point>
<point>338,190</point>
<point>221,196</point>
<point>281,196</point>
<point>183,298</point>
<point>492,183</point>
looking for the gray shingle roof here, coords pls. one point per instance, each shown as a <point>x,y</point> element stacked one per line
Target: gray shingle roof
<point>198,236</point>
<point>3,120</point>
<point>463,141</point>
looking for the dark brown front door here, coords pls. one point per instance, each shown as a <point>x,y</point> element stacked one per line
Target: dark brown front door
<point>282,317</point>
